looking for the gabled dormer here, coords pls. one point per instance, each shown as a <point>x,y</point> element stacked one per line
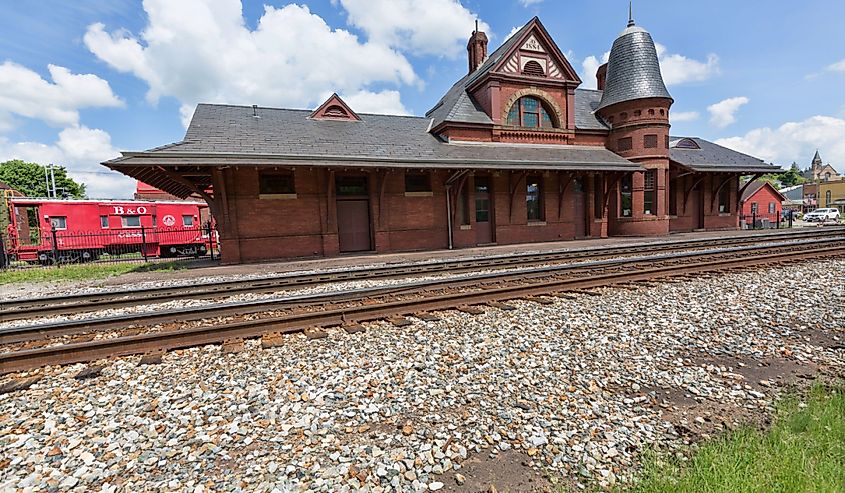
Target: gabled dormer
<point>334,108</point>
<point>523,92</point>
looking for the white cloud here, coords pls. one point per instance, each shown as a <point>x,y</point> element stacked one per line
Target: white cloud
<point>683,116</point>
<point>795,141</point>
<point>723,113</point>
<point>590,65</point>
<point>528,3</point>
<point>384,102</point>
<point>25,93</point>
<point>80,149</point>
<point>429,27</point>
<point>197,51</point>
<point>675,68</point>
<point>678,69</point>
<point>837,67</point>
<point>514,30</point>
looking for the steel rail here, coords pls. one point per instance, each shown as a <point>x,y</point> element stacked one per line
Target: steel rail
<point>55,329</point>
<point>196,336</point>
<point>63,305</point>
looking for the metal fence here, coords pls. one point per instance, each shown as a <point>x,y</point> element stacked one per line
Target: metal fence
<point>774,220</point>
<point>58,247</point>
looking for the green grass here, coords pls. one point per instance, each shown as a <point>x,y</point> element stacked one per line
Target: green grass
<point>804,451</point>
<point>77,272</point>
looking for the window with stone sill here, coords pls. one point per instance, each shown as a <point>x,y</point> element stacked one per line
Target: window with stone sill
<point>626,188</point>
<point>625,144</point>
<point>648,191</point>
<point>417,182</point>
<point>650,141</point>
<point>276,183</point>
<point>724,200</point>
<point>530,112</point>
<point>534,198</point>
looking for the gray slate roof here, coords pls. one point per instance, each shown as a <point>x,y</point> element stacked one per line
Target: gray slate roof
<point>456,105</point>
<point>230,134</point>
<point>715,158</point>
<point>633,71</point>
<point>586,103</point>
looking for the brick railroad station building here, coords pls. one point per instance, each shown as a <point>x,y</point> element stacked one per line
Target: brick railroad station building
<point>513,152</point>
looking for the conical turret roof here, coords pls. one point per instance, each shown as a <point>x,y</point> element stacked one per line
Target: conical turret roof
<point>633,71</point>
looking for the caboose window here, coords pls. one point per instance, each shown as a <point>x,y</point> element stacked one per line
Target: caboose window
<point>131,221</point>
<point>58,222</point>
<point>187,221</point>
<point>104,222</point>
<point>276,183</point>
<point>417,182</point>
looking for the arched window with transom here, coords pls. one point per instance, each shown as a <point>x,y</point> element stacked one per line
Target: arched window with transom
<point>530,112</point>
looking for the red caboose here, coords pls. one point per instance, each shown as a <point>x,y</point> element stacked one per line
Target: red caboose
<point>86,229</point>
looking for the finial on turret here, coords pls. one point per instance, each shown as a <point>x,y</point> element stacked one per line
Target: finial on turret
<point>630,14</point>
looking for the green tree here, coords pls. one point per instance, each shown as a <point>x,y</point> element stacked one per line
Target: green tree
<point>28,178</point>
<point>792,177</point>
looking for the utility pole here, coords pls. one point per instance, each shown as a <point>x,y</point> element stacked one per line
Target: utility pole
<point>53,176</point>
<point>47,180</point>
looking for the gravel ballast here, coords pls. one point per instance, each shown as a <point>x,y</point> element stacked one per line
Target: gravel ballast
<point>578,388</point>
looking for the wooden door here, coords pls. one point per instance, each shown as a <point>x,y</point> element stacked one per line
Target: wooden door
<point>697,206</point>
<point>579,210</point>
<point>484,222</point>
<point>353,214</point>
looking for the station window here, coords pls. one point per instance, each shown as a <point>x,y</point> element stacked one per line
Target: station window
<point>417,182</point>
<point>626,196</point>
<point>827,198</point>
<point>529,112</point>
<point>131,221</point>
<point>534,198</point>
<point>104,222</point>
<point>58,222</point>
<point>771,207</point>
<point>187,220</point>
<point>724,199</point>
<point>648,191</point>
<point>276,183</point>
<point>625,144</point>
<point>650,141</point>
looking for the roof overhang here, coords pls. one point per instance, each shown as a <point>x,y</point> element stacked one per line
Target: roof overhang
<point>166,170</point>
<point>743,169</point>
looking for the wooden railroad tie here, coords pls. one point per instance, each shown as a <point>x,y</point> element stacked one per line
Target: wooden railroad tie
<point>315,333</point>
<point>427,317</point>
<point>231,346</point>
<point>354,328</point>
<point>152,358</point>
<point>500,306</point>
<point>539,299</point>
<point>271,340</point>
<point>90,372</point>
<point>399,321</point>
<point>19,384</point>
<point>472,310</point>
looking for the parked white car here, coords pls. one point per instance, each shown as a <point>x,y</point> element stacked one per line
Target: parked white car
<point>822,215</point>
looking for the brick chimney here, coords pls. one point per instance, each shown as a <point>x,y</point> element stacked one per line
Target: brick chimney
<point>476,49</point>
<point>601,75</point>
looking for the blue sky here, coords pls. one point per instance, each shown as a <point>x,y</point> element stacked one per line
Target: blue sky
<point>81,81</point>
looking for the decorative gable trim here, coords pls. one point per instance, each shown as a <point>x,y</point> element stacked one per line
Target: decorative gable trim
<point>537,45</point>
<point>334,108</point>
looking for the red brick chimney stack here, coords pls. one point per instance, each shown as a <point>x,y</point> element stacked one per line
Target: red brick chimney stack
<point>476,49</point>
<point>601,75</point>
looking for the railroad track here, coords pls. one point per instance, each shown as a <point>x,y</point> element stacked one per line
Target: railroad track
<point>66,305</point>
<point>418,299</point>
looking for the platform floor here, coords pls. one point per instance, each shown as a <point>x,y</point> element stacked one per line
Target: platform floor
<point>210,269</point>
